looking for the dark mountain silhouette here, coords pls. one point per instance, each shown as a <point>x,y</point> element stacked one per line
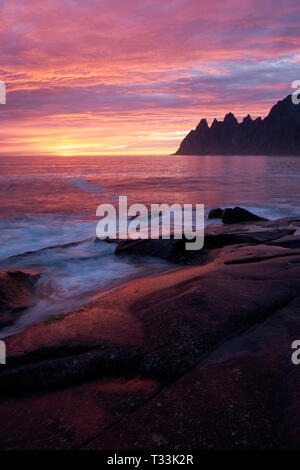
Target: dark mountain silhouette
<point>277,134</point>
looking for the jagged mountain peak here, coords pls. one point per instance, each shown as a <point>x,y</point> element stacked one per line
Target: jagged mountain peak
<point>215,124</point>
<point>247,119</point>
<point>202,125</point>
<point>230,119</point>
<point>277,134</point>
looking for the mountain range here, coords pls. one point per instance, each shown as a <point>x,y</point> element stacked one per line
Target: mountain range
<point>277,134</point>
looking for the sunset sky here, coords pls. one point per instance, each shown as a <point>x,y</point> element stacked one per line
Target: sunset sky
<point>133,76</point>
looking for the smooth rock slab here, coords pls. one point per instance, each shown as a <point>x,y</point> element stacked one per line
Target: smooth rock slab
<point>66,419</point>
<point>245,395</point>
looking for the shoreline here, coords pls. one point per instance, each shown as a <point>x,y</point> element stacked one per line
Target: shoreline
<point>165,346</point>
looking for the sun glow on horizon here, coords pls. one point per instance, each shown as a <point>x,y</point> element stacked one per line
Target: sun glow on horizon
<point>121,78</point>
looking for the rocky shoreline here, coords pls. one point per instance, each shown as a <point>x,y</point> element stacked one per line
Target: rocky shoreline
<point>196,358</point>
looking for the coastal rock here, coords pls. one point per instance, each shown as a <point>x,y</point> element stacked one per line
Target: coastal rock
<point>140,327</point>
<point>15,294</point>
<point>68,419</point>
<point>277,134</point>
<point>289,241</point>
<point>172,250</point>
<point>219,240</point>
<point>216,236</point>
<point>161,248</point>
<point>238,215</point>
<point>245,395</point>
<point>196,358</point>
<point>215,213</point>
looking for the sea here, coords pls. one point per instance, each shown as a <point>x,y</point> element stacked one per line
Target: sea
<point>48,214</point>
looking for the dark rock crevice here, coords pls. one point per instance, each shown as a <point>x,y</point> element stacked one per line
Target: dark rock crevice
<point>258,259</point>
<point>66,371</point>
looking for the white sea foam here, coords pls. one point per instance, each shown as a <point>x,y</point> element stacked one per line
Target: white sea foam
<point>71,273</point>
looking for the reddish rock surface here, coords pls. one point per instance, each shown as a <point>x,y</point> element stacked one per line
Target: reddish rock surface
<point>198,358</point>
<point>69,418</point>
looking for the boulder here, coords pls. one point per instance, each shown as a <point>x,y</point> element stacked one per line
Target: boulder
<point>172,250</point>
<point>215,213</point>
<point>238,215</point>
<point>215,237</point>
<point>160,248</point>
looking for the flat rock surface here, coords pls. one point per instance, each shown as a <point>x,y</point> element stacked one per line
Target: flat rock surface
<point>203,351</point>
<point>216,236</point>
<point>69,418</point>
<point>244,396</point>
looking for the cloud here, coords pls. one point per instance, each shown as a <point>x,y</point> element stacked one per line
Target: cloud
<point>161,65</point>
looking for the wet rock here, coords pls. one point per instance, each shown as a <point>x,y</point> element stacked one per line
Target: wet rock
<point>238,215</point>
<point>216,335</point>
<point>220,240</point>
<point>175,252</point>
<point>161,326</point>
<point>160,248</point>
<point>172,250</point>
<point>215,213</point>
<point>15,294</point>
<point>215,236</point>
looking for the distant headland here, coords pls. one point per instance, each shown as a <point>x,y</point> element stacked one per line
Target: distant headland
<point>277,134</point>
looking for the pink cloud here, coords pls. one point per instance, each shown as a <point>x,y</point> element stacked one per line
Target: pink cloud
<point>165,63</point>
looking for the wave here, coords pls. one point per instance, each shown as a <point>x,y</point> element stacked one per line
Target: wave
<point>72,274</point>
<point>76,181</point>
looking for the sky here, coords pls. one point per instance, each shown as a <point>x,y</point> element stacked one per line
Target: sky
<point>103,77</point>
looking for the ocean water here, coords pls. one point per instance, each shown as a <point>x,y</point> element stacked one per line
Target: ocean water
<point>47,203</point>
